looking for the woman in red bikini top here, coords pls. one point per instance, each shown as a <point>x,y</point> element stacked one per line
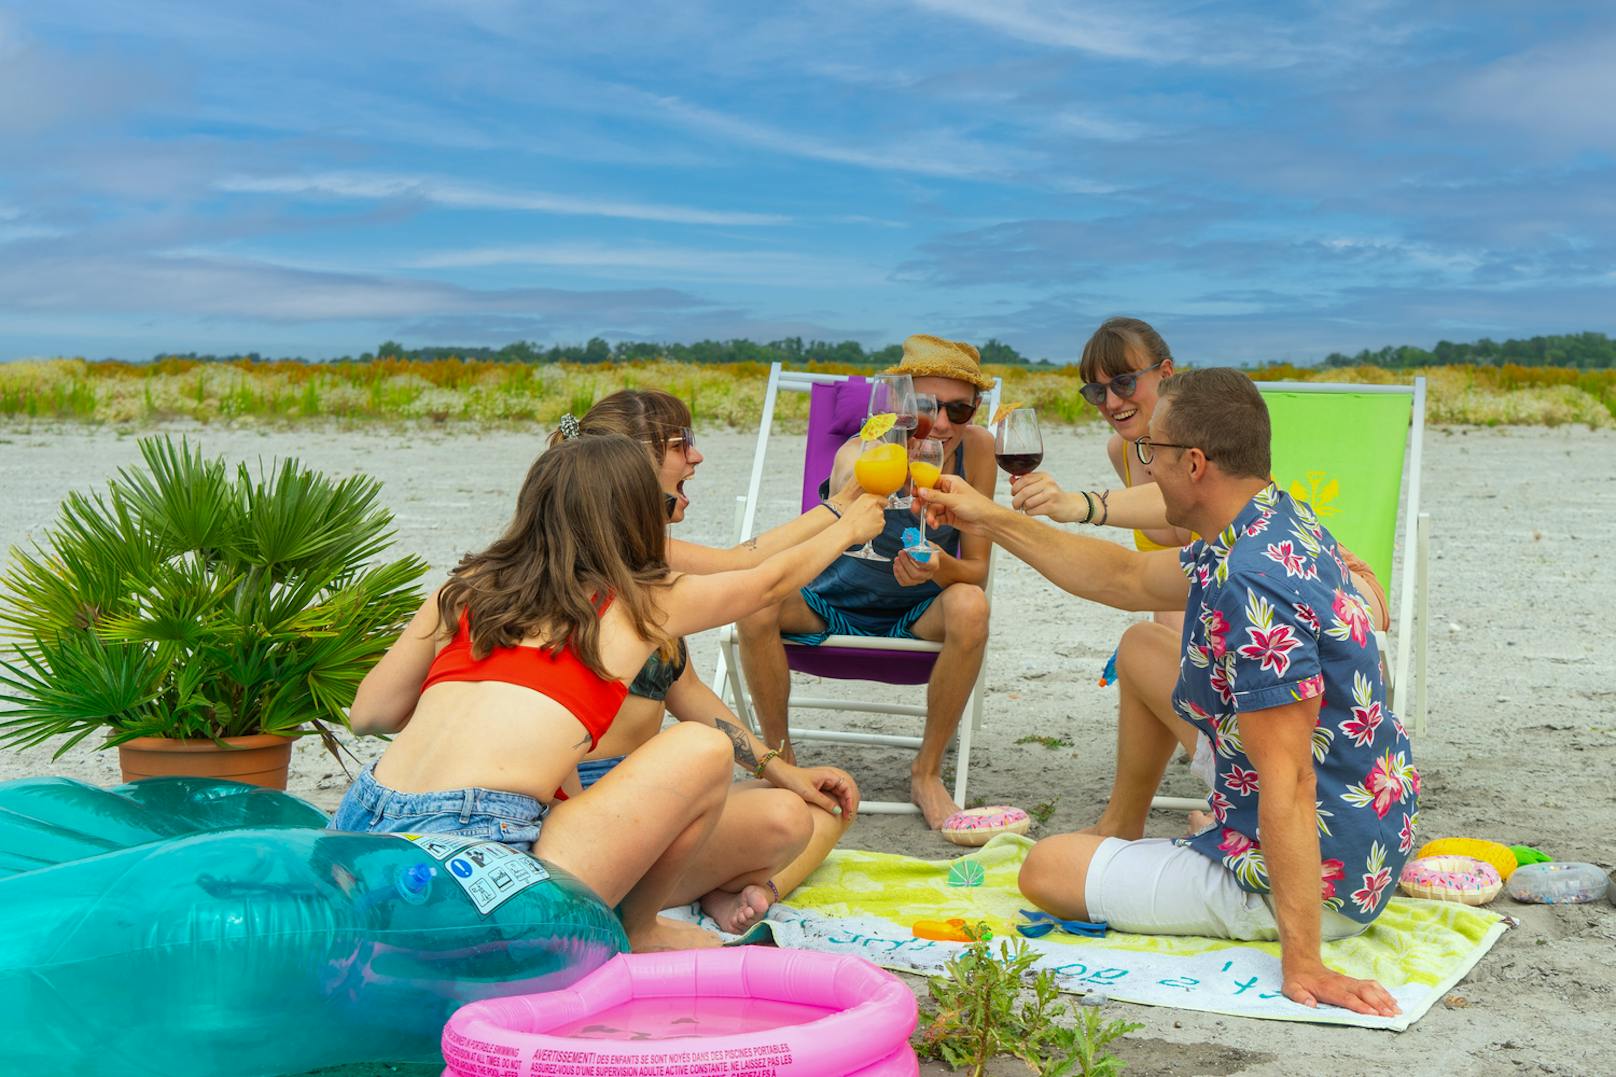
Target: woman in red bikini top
<point>514,668</point>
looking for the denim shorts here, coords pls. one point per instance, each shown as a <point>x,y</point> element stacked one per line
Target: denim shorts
<point>509,818</point>
<point>591,771</point>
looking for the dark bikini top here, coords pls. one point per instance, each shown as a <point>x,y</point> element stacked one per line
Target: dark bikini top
<point>657,676</point>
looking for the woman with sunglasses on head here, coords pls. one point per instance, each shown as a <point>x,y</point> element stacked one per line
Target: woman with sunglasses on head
<point>777,827</point>
<point>517,666</point>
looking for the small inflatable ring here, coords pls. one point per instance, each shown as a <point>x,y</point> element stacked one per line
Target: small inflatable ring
<point>977,826</point>
<point>1451,878</point>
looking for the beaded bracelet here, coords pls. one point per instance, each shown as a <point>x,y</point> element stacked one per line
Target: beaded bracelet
<point>834,511</point>
<point>763,764</point>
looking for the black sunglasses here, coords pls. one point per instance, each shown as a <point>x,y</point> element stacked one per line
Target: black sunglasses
<point>1124,385</point>
<point>959,411</point>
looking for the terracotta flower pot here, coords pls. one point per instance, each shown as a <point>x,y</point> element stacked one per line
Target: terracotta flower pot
<point>261,759</point>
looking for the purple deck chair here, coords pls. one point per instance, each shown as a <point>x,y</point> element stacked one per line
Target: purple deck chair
<point>848,658</point>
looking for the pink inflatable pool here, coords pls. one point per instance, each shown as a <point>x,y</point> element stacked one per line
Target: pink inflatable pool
<point>746,1011</point>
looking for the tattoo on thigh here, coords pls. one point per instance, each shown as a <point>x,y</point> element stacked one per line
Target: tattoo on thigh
<point>743,744</point>
<point>584,741</point>
<point>751,543</point>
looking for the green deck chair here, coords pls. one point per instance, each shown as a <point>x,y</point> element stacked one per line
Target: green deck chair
<point>1353,452</point>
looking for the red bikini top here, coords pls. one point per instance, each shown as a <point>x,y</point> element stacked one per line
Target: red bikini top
<point>561,676</point>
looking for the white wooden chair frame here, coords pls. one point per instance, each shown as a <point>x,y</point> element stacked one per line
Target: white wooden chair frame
<point>728,678</point>
<point>1413,621</point>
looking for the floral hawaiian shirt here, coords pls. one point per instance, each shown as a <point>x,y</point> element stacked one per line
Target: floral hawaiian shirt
<point>1273,618</point>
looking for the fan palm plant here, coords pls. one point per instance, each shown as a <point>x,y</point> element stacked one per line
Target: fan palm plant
<point>196,601</point>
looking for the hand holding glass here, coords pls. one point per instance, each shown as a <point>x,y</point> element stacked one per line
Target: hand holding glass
<point>881,469</point>
<point>925,468</point>
<point>1018,446</point>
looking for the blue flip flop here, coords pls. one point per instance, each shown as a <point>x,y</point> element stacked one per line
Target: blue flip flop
<point>1042,923</point>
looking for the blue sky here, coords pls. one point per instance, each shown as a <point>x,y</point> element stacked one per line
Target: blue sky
<point>1258,180</point>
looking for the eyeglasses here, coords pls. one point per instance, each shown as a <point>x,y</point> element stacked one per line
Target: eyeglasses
<point>684,438</point>
<point>1145,449</point>
<point>959,411</point>
<point>1124,385</point>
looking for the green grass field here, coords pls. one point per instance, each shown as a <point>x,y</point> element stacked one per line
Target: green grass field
<point>455,391</point>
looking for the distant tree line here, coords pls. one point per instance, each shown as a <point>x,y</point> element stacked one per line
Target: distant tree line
<point>1587,351</point>
<point>791,351</point>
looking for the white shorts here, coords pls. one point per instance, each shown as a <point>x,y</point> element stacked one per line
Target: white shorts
<point>1154,887</point>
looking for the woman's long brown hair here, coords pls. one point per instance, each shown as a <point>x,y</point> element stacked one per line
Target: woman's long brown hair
<point>589,528</point>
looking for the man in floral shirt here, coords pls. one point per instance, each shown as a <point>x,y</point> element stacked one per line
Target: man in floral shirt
<point>1314,788</point>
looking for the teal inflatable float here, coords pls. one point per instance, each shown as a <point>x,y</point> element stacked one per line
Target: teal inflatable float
<point>195,928</point>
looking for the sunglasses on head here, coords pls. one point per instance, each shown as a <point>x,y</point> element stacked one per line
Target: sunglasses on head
<point>1124,385</point>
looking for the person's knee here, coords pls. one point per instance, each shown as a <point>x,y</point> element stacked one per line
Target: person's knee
<point>1040,880</point>
<point>782,821</point>
<point>1055,874</point>
<point>1141,654</point>
<point>708,754</point>
<point>760,626</point>
<point>965,614</point>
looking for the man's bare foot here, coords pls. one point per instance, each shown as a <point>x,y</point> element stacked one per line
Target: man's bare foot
<point>1199,821</point>
<point>665,934</point>
<point>930,795</point>
<point>737,912</point>
<point>1107,829</point>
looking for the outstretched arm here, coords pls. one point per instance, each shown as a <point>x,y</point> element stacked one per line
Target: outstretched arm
<point>1089,568</point>
<point>1134,507</point>
<point>706,560</point>
<point>697,603</point>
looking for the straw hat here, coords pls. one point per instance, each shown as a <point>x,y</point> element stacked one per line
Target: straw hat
<point>926,356</point>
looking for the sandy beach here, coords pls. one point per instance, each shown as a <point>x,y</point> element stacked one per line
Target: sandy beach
<point>1521,745</point>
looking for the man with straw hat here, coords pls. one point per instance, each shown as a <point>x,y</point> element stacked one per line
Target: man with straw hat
<point>938,599</point>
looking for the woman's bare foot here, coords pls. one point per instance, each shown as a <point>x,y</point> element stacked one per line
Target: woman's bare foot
<point>665,934</point>
<point>1199,821</point>
<point>930,795</point>
<point>737,912</point>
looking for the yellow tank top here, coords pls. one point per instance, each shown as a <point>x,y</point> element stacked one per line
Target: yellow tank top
<point>1141,541</point>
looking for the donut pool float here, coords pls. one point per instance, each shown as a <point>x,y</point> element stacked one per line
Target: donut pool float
<point>1451,878</point>
<point>978,826</point>
<point>701,1013</point>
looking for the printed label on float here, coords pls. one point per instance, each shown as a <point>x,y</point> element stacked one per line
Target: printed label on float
<point>490,873</point>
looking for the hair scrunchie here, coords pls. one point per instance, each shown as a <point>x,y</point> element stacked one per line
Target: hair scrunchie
<point>569,427</point>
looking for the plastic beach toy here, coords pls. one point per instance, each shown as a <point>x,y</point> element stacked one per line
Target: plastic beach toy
<point>1040,923</point>
<point>1451,878</point>
<point>1501,857</point>
<point>952,930</point>
<point>1558,884</point>
<point>978,826</point>
<point>702,1013</point>
<point>192,928</point>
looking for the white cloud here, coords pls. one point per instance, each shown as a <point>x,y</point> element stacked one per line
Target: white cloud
<point>458,195</point>
<point>1062,27</point>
